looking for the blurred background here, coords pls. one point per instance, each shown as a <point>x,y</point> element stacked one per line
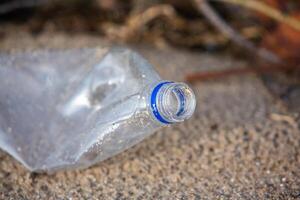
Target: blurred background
<point>266,32</point>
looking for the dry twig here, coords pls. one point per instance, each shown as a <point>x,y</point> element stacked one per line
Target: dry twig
<point>204,76</point>
<point>219,23</point>
<point>267,10</point>
<point>135,23</point>
<point>12,5</point>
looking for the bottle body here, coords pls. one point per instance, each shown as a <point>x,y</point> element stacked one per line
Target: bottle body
<point>71,109</point>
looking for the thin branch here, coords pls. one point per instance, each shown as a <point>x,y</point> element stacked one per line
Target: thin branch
<point>12,5</point>
<point>210,75</point>
<point>219,23</point>
<point>135,23</point>
<point>267,10</point>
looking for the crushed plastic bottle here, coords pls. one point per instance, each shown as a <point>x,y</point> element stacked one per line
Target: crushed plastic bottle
<point>67,109</point>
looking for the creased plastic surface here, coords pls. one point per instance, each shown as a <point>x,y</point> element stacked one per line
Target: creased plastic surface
<point>72,108</point>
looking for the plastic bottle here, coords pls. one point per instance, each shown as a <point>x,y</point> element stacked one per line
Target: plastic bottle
<point>72,108</point>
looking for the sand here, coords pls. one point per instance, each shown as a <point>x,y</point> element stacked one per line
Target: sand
<point>241,142</point>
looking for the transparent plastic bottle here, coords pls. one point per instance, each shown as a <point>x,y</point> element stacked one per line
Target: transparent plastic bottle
<point>72,108</point>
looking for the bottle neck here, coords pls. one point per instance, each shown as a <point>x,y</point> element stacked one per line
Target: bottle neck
<point>172,102</point>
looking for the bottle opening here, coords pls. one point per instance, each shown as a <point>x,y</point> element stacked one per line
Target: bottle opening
<point>172,102</point>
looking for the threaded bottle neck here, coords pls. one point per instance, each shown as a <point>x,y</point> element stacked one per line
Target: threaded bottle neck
<point>172,102</point>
